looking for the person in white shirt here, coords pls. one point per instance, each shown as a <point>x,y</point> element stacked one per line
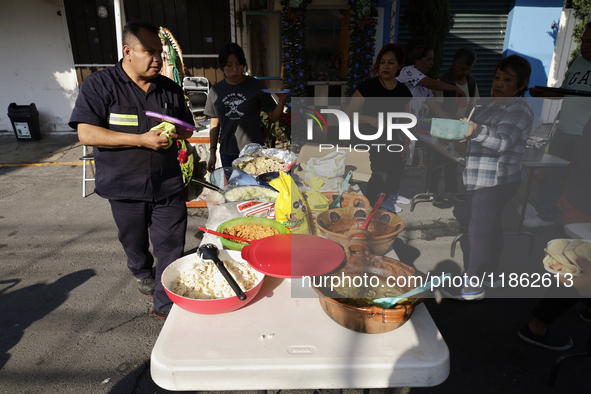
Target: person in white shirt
<point>565,141</point>
<point>414,76</point>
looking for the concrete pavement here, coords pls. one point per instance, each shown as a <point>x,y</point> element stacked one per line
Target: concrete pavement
<point>74,322</point>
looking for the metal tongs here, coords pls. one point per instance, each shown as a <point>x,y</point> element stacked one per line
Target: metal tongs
<point>210,252</point>
<point>208,185</point>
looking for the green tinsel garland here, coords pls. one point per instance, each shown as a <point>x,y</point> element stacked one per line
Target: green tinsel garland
<point>362,42</point>
<point>295,56</point>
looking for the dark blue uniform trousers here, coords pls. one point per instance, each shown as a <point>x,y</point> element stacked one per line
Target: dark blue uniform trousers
<point>162,222</point>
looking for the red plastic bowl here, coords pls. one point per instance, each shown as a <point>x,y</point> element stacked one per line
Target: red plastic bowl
<point>207,307</point>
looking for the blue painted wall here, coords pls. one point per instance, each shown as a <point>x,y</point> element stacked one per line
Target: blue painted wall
<point>530,34</point>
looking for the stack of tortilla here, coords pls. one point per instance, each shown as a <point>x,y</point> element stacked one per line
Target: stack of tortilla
<point>562,255</point>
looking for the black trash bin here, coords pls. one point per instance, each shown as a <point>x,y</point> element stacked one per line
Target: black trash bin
<point>25,121</point>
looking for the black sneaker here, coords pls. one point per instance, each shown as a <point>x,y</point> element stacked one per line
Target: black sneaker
<point>586,315</point>
<point>551,340</point>
<point>161,314</point>
<point>146,286</point>
<point>457,197</point>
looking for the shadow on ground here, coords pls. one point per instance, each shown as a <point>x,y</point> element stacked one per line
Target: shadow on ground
<point>37,300</point>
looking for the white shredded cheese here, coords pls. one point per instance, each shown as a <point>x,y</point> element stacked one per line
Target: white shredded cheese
<point>204,280</point>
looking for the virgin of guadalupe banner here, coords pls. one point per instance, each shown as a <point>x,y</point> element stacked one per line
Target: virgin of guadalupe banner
<point>172,57</point>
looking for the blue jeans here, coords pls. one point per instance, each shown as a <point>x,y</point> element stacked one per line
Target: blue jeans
<point>564,146</point>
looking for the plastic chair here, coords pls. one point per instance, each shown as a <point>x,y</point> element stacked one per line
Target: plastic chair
<point>86,158</point>
<point>196,84</point>
<point>197,102</point>
<point>196,89</point>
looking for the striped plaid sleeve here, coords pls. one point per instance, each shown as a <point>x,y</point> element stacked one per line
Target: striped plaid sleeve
<point>503,135</point>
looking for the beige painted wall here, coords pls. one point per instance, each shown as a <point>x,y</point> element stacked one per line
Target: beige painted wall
<point>36,65</point>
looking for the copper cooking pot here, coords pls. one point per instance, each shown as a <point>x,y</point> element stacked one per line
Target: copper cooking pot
<point>373,319</point>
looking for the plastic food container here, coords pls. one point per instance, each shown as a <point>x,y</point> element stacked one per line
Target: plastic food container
<point>449,129</point>
<point>534,150</point>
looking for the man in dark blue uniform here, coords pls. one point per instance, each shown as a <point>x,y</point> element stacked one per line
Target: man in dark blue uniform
<point>141,179</point>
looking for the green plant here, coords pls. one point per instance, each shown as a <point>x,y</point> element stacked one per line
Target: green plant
<point>280,130</point>
<point>238,17</point>
<point>428,23</point>
<point>581,8</point>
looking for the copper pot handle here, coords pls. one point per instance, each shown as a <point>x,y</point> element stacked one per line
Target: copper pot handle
<point>362,199</point>
<point>353,247</point>
<point>358,233</point>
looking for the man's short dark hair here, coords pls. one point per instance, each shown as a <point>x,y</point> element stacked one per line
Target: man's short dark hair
<point>132,29</point>
<point>465,55</point>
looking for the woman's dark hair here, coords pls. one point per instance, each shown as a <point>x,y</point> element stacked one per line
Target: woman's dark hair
<point>398,52</point>
<point>519,65</point>
<point>417,53</point>
<point>227,50</point>
<point>132,29</point>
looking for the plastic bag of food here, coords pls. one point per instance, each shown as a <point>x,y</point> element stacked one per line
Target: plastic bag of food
<point>255,159</point>
<point>331,168</point>
<point>290,206</point>
<point>261,165</point>
<point>317,203</point>
<point>255,193</point>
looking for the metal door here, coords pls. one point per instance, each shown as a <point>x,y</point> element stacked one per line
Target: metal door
<point>480,25</point>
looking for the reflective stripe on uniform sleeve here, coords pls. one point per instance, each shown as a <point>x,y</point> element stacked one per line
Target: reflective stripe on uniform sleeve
<point>123,120</point>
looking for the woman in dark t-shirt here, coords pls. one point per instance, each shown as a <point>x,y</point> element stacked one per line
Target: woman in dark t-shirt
<point>383,94</point>
<point>234,105</point>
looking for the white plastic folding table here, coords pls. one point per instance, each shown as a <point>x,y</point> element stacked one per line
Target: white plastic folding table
<point>279,342</point>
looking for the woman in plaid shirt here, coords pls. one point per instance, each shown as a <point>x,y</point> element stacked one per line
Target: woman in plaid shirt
<point>496,142</point>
